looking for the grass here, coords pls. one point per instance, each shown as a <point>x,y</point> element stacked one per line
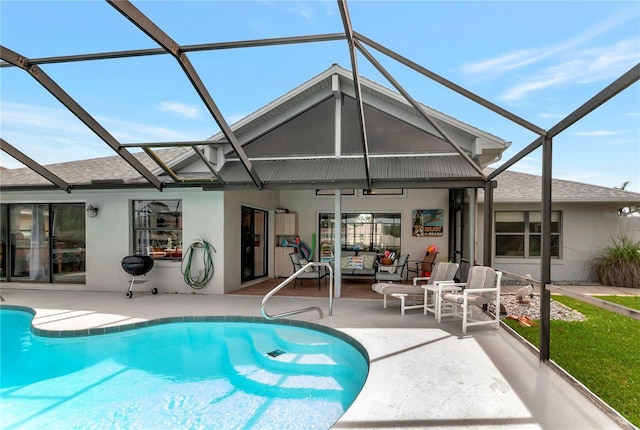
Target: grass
<point>603,353</point>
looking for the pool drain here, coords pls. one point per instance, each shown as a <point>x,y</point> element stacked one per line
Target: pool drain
<point>276,352</point>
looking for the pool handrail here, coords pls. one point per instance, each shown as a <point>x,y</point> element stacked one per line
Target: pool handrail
<point>291,278</point>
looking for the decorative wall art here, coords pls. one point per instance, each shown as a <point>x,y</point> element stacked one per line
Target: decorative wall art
<point>428,222</point>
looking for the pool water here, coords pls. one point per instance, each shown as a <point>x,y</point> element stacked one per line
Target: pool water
<point>196,375</point>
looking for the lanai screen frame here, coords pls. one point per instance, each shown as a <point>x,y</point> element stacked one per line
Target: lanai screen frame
<point>356,43</point>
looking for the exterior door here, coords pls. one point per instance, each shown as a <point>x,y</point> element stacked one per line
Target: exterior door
<point>29,242</point>
<point>253,243</point>
<point>42,242</point>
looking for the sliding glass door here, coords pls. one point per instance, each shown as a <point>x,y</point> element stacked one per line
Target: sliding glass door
<point>68,244</point>
<point>253,243</point>
<point>42,243</point>
<point>29,242</point>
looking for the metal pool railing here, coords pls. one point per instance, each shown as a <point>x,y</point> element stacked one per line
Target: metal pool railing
<point>287,281</point>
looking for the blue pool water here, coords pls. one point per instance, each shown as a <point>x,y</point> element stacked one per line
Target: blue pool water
<point>177,375</point>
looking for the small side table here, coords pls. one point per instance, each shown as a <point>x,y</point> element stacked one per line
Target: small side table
<point>436,301</point>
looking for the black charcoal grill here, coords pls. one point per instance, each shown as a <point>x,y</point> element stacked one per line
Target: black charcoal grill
<point>137,265</point>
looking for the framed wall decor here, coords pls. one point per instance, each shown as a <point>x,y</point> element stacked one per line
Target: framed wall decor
<point>428,222</point>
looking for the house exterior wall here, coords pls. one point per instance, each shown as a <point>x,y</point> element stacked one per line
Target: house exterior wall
<point>308,206</point>
<point>108,236</point>
<point>586,228</point>
<point>216,217</point>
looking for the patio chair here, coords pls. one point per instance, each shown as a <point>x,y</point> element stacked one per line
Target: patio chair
<point>441,272</point>
<point>299,262</point>
<point>482,286</point>
<point>391,273</point>
<point>421,268</point>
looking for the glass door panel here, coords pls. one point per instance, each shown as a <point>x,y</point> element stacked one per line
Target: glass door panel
<point>4,243</point>
<point>29,242</point>
<point>68,242</point>
<point>253,233</point>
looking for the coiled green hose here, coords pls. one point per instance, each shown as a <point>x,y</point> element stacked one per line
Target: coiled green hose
<point>203,276</point>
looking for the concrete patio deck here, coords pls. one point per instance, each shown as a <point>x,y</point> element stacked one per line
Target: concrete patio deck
<point>422,375</point>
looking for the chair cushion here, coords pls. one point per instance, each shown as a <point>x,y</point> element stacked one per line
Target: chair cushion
<point>304,262</point>
<point>344,262</point>
<point>481,277</point>
<point>394,266</point>
<point>366,272</point>
<point>384,276</point>
<point>443,272</point>
<point>389,288</point>
<point>369,260</point>
<point>459,298</point>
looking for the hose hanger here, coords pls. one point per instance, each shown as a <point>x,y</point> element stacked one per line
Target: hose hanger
<point>204,273</point>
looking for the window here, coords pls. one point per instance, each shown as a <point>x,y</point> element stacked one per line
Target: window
<point>519,234</point>
<point>350,192</point>
<point>363,231</point>
<point>384,192</point>
<point>157,228</point>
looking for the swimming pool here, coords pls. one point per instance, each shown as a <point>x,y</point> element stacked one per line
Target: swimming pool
<point>190,372</point>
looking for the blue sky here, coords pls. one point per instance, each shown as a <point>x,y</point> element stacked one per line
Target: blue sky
<point>541,60</point>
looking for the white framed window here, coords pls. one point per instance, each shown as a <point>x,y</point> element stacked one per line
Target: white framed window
<point>518,234</point>
<point>384,192</point>
<point>363,231</point>
<point>157,228</point>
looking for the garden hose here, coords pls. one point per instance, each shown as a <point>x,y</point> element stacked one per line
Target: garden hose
<point>204,275</point>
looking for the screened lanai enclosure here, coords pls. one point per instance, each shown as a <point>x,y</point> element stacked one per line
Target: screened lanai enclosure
<point>332,135</point>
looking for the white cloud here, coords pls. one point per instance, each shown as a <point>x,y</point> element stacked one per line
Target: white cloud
<point>181,109</point>
<point>564,63</point>
<point>596,133</point>
<point>547,115</point>
<point>520,58</point>
<point>54,135</point>
<point>126,131</point>
<point>607,62</point>
<point>298,8</point>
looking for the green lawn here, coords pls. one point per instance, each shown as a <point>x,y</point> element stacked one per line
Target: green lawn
<point>603,352</point>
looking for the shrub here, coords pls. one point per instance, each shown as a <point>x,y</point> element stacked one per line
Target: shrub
<point>619,263</point>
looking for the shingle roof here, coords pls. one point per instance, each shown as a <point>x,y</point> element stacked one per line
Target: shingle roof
<point>82,172</point>
<point>519,187</point>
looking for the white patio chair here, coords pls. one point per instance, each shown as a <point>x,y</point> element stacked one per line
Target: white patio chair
<point>441,272</point>
<point>482,286</point>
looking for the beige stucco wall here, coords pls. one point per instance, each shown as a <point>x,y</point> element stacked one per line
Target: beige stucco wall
<point>108,236</point>
<point>216,218</point>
